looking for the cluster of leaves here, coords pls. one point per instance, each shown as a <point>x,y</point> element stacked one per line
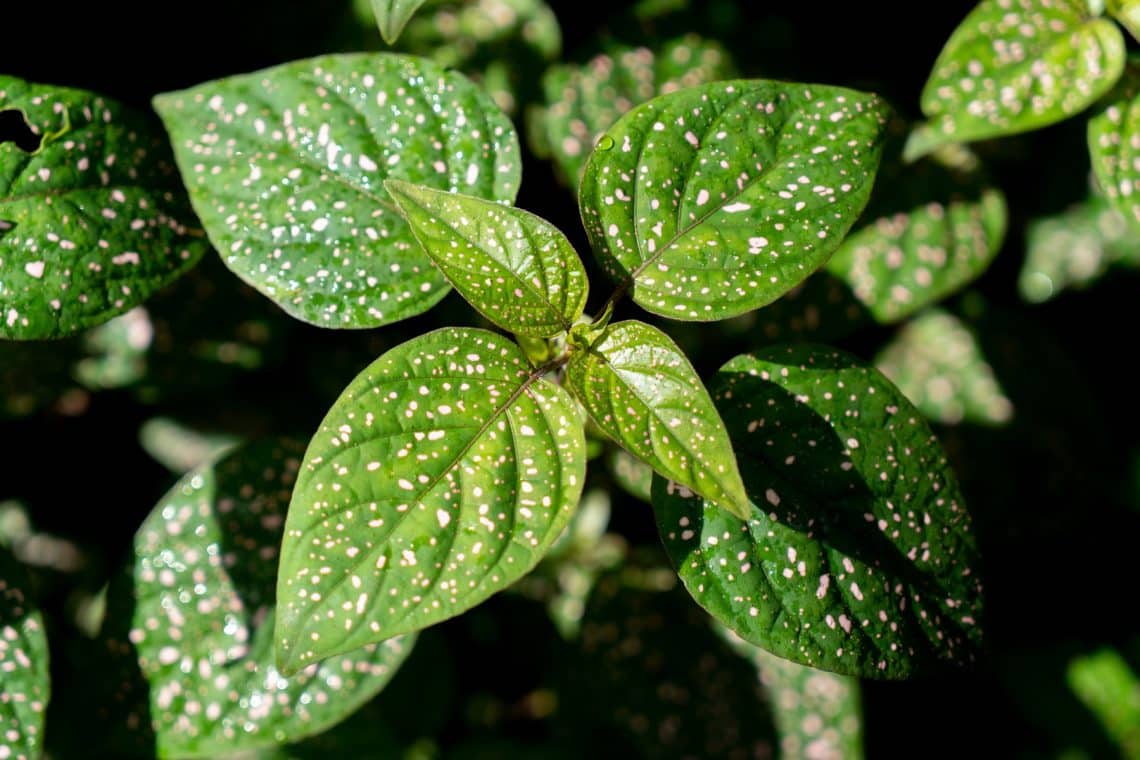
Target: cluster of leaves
<point>803,500</point>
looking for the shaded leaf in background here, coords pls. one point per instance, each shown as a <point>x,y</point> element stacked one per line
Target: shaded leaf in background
<point>633,475</point>
<point>179,447</point>
<point>1114,143</point>
<point>442,474</point>
<point>937,363</point>
<point>23,665</point>
<point>515,268</point>
<point>860,556</point>
<point>285,168</point>
<point>929,229</point>
<point>1015,66</point>
<point>640,389</point>
<point>37,374</point>
<point>95,220</point>
<point>821,308</point>
<point>199,605</point>
<point>715,200</point>
<point>393,15</point>
<point>1110,689</point>
<point>583,101</point>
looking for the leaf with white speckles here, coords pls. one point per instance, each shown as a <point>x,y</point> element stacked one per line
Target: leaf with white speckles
<point>285,166</point>
<point>582,102</point>
<point>1114,143</point>
<point>1015,66</point>
<point>640,389</point>
<point>716,200</point>
<point>516,268</point>
<point>860,557</point>
<point>937,363</point>
<point>93,222</point>
<point>393,15</point>
<point>23,665</point>
<point>929,229</point>
<point>200,606</point>
<point>443,473</point>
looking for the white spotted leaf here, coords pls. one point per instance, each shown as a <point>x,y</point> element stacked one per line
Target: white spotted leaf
<point>286,167</point>
<point>639,387</point>
<point>860,556</point>
<point>91,223</point>
<point>716,200</point>
<point>1013,66</point>
<point>516,268</point>
<point>929,229</point>
<point>24,678</point>
<point>199,604</point>
<point>1114,143</point>
<point>443,473</point>
<point>393,15</point>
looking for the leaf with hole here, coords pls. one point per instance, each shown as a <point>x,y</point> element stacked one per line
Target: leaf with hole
<point>93,221</point>
<point>1013,67</point>
<point>516,268</point>
<point>393,15</point>
<point>716,200</point>
<point>443,473</point>
<point>198,656</point>
<point>285,166</point>
<point>23,664</point>
<point>860,556</point>
<point>640,389</point>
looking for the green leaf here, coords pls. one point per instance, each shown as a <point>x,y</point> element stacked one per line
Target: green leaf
<point>859,557</point>
<point>937,363</point>
<point>393,15</point>
<point>716,200</point>
<point>582,102</point>
<point>633,475</point>
<point>201,627</point>
<point>640,389</point>
<point>94,221</point>
<point>1109,688</point>
<point>516,268</point>
<point>929,229</point>
<point>1114,137</point>
<point>441,475</point>
<point>285,166</point>
<point>1013,67</point>
<point>23,665</point>
<point>1127,12</point>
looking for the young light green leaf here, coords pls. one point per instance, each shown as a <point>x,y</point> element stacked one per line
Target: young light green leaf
<point>516,268</point>
<point>582,102</point>
<point>1109,688</point>
<point>23,665</point>
<point>716,200</point>
<point>929,229</point>
<point>640,389</point>
<point>91,223</point>
<point>936,362</point>
<point>393,15</point>
<point>285,166</point>
<point>633,475</point>
<point>199,606</point>
<point>441,475</point>
<point>1127,12</point>
<point>1012,67</point>
<point>859,557</point>
<point>1114,143</point>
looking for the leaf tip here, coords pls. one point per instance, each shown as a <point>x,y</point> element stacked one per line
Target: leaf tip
<point>922,140</point>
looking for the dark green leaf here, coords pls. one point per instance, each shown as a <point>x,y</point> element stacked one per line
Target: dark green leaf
<point>640,389</point>
<point>1012,67</point>
<point>201,627</point>
<point>1114,143</point>
<point>94,221</point>
<point>716,200</point>
<point>441,475</point>
<point>24,677</point>
<point>285,166</point>
<point>821,308</point>
<point>860,557</point>
<point>393,15</point>
<point>516,268</point>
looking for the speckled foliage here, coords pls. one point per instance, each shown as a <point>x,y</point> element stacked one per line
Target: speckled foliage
<point>1114,143</point>
<point>718,199</point>
<point>393,15</point>
<point>201,635</point>
<point>860,556</point>
<point>285,167</point>
<point>24,681</point>
<point>94,221</point>
<point>640,389</point>
<point>441,475</point>
<point>517,269</point>
<point>1016,65</point>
